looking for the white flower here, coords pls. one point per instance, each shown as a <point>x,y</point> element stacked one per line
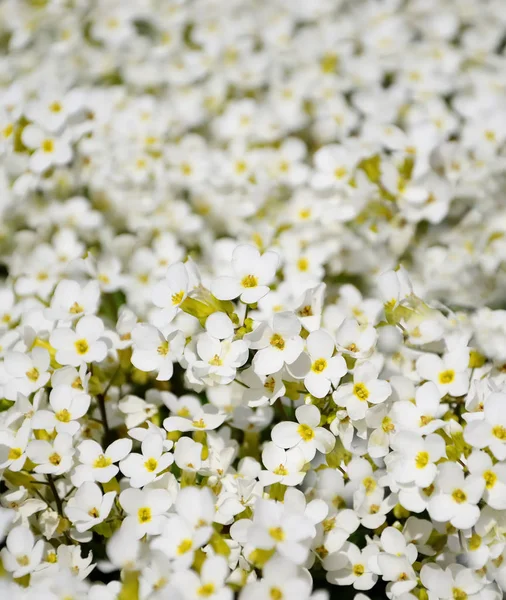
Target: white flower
<point>262,390</point>
<point>22,553</point>
<point>145,510</point>
<point>366,388</point>
<point>208,417</point>
<point>277,345</point>
<point>89,507</point>
<point>280,579</point>
<point>52,458</point>
<point>306,434</point>
<point>395,287</point>
<point>188,454</point>
<point>448,373</point>
<point>415,457</point>
<point>48,149</point>
<point>68,404</point>
<point>456,497</point>
<point>97,464</point>
<point>252,275</point>
<point>480,464</point>
<point>210,583</point>
<point>170,293</point>
<point>424,415</point>
<point>355,339</point>
<point>71,300</point>
<point>326,369</point>
<point>350,566</point>
<point>491,430</point>
<point>144,468</point>
<point>152,351</point>
<point>454,582</point>
<point>28,373</point>
<point>82,345</point>
<point>13,447</point>
<point>274,526</point>
<point>218,360</point>
<point>335,166</point>
<point>189,529</point>
<point>283,466</point>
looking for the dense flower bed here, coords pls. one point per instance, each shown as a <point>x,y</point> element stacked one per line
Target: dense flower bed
<point>252,337</point>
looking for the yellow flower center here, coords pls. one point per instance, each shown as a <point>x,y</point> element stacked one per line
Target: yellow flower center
<point>55,459</point>
<point>369,484</point>
<point>459,496</point>
<point>200,424</point>
<point>446,377</point>
<point>144,514</point>
<point>15,453</point>
<point>177,298</point>
<point>185,546</point>
<point>163,349</point>
<point>319,365</point>
<point>499,432</point>
<point>162,582</point>
<point>361,392</point>
<point>425,420</point>
<point>76,308</point>
<point>280,470</point>
<point>340,172</point>
<point>329,62</point>
<point>94,512</point>
<point>249,281</point>
<point>459,594</point>
<point>358,570</point>
<point>48,146</point>
<point>305,432</point>
<point>7,131</point>
<point>151,464</point>
<point>275,594</point>
<point>102,461</point>
<point>303,264</point>
<point>23,560</point>
<point>216,361</point>
<point>63,416</point>
<point>77,384</point>
<point>33,374</point>
<point>269,384</point>
<point>277,533</point>
<point>206,590</point>
<point>387,425</point>
<point>490,478</point>
<point>306,311</point>
<point>277,342</point>
<point>81,346</point>
<point>422,460</point>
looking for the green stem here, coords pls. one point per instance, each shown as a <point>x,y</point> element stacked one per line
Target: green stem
<point>57,499</point>
<point>103,416</point>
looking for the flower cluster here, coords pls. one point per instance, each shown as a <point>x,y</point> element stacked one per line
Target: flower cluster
<point>252,260</point>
